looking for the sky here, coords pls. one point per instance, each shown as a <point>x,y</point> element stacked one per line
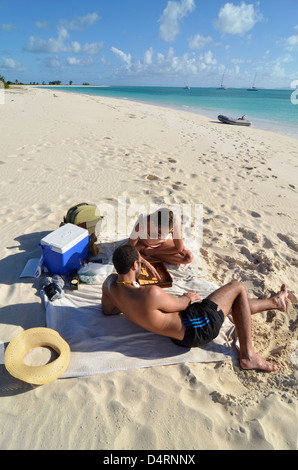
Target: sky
<point>150,42</point>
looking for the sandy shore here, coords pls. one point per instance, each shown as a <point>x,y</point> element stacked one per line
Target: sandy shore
<point>58,151</point>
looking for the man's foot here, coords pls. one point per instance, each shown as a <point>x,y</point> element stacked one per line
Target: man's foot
<point>281,298</point>
<point>256,362</point>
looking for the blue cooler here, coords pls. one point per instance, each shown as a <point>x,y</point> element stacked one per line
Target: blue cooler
<point>65,249</point>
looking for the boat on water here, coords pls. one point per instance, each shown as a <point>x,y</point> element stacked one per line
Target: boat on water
<point>222,86</point>
<point>235,122</point>
<point>187,87</point>
<point>253,88</point>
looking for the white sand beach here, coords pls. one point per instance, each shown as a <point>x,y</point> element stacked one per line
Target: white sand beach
<point>60,150</point>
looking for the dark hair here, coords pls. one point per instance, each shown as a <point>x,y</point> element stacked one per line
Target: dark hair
<point>124,257</point>
<point>165,215</point>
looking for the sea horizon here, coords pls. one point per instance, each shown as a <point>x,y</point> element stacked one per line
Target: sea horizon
<point>267,109</point>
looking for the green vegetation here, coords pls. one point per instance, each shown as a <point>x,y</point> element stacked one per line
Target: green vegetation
<point>54,82</point>
<point>2,79</point>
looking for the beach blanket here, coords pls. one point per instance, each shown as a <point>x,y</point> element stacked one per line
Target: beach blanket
<point>101,344</point>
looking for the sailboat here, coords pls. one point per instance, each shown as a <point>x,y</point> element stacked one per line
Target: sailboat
<point>253,88</point>
<point>222,87</point>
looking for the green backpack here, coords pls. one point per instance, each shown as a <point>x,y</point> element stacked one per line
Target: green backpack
<point>86,216</point>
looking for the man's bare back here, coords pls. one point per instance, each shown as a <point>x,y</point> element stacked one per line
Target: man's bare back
<point>149,307</point>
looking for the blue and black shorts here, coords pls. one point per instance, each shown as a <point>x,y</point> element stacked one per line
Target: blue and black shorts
<point>202,321</point>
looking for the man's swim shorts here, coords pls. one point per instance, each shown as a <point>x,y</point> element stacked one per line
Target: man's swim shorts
<point>202,321</point>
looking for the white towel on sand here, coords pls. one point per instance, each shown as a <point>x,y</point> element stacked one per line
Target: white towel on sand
<point>102,343</point>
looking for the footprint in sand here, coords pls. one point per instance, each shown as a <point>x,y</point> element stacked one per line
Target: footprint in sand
<point>151,177</point>
<point>188,375</point>
<point>249,235</point>
<point>289,242</point>
<point>255,214</point>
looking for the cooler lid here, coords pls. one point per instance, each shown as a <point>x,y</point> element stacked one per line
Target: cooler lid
<point>65,237</point>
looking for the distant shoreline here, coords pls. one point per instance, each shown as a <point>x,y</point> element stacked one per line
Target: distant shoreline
<point>73,86</point>
<point>270,125</point>
<point>141,86</point>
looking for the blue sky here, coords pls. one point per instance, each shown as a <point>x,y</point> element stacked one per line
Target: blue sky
<point>150,42</point>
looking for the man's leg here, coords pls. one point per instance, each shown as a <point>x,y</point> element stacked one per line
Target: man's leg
<point>277,302</point>
<point>233,298</point>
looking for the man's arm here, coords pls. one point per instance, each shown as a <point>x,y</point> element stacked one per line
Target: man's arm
<point>149,267</point>
<point>108,306</point>
<point>168,303</point>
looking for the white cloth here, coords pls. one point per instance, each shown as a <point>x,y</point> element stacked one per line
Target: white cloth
<point>102,343</point>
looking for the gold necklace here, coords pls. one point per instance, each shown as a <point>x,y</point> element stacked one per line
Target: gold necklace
<point>133,283</point>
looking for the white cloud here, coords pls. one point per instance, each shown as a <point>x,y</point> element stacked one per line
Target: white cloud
<point>105,61</point>
<point>198,42</point>
<point>238,61</point>
<point>172,16</point>
<point>8,27</point>
<point>79,62</point>
<point>208,58</point>
<point>126,58</point>
<point>233,19</point>
<point>42,24</point>
<point>80,22</point>
<point>10,64</point>
<point>76,47</point>
<point>278,71</point>
<point>53,62</point>
<point>148,56</point>
<point>165,64</point>
<point>292,41</point>
<point>93,48</point>
<point>60,44</point>
<point>52,45</point>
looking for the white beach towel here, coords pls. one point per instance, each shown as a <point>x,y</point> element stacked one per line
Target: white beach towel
<point>102,343</point>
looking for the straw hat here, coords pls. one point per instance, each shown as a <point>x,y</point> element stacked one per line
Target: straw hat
<point>34,338</point>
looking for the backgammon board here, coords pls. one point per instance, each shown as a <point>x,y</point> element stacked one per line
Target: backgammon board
<point>146,279</point>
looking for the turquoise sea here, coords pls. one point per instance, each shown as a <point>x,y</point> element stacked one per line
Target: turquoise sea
<point>266,109</point>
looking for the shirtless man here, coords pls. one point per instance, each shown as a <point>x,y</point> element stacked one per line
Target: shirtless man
<point>187,319</point>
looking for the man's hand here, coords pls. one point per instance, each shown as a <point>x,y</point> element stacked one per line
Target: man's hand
<point>151,270</point>
<point>192,296</point>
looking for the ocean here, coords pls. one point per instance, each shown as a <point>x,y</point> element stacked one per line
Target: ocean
<point>267,109</point>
